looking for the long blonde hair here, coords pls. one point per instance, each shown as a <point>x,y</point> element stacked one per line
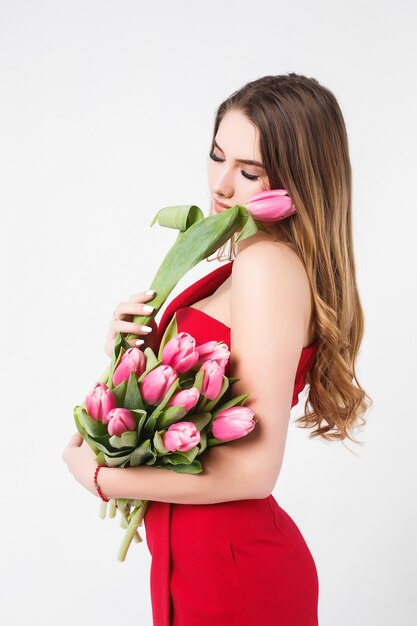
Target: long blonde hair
<point>304,149</point>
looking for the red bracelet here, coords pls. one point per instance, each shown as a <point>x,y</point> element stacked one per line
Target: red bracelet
<point>96,483</point>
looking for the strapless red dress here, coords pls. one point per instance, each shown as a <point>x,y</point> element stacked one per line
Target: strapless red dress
<point>238,563</point>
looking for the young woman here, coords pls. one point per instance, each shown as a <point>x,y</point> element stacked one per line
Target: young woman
<point>223,551</point>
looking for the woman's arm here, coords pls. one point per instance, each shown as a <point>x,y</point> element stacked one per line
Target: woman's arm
<point>270,308</point>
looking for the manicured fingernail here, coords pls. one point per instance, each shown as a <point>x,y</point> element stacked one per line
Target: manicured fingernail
<point>150,292</point>
<point>139,342</point>
<point>148,308</point>
<point>147,329</point>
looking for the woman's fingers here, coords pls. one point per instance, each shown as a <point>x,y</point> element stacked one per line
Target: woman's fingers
<point>123,326</point>
<point>135,306</point>
<point>124,314</point>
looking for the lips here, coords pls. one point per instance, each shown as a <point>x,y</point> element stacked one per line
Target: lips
<point>224,206</point>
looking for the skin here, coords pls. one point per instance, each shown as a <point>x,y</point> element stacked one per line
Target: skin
<point>246,467</point>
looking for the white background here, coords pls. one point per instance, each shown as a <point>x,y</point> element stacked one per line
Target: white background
<point>106,115</point>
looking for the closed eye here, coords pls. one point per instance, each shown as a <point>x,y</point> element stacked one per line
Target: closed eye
<point>245,174</point>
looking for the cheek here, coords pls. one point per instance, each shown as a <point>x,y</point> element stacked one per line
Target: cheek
<point>211,175</point>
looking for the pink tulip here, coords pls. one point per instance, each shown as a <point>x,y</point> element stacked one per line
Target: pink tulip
<point>181,436</point>
<point>213,379</point>
<point>100,401</point>
<point>214,351</point>
<point>119,421</point>
<point>157,383</point>
<point>233,423</point>
<point>180,352</point>
<point>271,205</point>
<point>133,360</point>
<point>186,397</point>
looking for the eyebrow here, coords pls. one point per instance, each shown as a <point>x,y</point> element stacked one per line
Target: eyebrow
<point>246,161</point>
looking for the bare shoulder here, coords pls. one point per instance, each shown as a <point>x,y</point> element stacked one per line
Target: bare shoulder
<point>274,265</point>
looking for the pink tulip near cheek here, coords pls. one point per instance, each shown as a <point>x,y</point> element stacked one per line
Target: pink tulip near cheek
<point>133,360</point>
<point>100,401</point>
<point>180,352</point>
<point>214,351</point>
<point>233,423</point>
<point>181,437</point>
<point>213,379</point>
<point>187,398</point>
<point>270,205</point>
<point>119,421</point>
<point>157,383</point>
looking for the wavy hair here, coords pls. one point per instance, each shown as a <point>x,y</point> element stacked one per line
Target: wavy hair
<point>304,149</point>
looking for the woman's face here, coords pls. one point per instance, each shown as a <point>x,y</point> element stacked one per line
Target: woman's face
<point>230,180</point>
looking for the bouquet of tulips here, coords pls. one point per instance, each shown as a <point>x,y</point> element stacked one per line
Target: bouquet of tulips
<point>165,409</point>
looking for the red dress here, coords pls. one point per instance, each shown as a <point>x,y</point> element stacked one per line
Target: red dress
<point>256,568</point>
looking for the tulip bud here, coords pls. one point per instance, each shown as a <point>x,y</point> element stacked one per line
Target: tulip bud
<point>180,352</point>
<point>100,401</point>
<point>214,351</point>
<point>213,379</point>
<point>186,397</point>
<point>233,423</point>
<point>119,421</point>
<point>133,360</point>
<point>270,205</point>
<point>181,436</point>
<point>156,384</point>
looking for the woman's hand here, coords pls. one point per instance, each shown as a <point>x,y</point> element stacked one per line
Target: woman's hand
<point>81,462</point>
<point>124,312</point>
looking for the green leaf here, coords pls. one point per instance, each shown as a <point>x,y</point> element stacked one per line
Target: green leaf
<point>199,237</point>
<point>133,398</point>
<point>158,444</point>
<point>182,457</point>
<point>149,427</point>
<point>170,415</point>
<point>203,441</point>
<point>151,358</point>
<point>192,468</point>
<point>118,352</point>
<point>93,428</point>
<point>120,392</point>
<point>111,461</point>
<point>170,331</point>
<point>212,441</point>
<point>141,416</point>
<point>238,400</point>
<point>127,440</point>
<point>201,420</point>
<point>142,454</point>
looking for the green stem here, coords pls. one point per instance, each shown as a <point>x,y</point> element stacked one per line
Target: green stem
<point>136,521</point>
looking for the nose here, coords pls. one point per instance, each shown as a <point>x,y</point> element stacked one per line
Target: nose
<point>223,189</point>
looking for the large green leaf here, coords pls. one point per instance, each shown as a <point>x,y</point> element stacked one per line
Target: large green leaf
<point>198,238</point>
